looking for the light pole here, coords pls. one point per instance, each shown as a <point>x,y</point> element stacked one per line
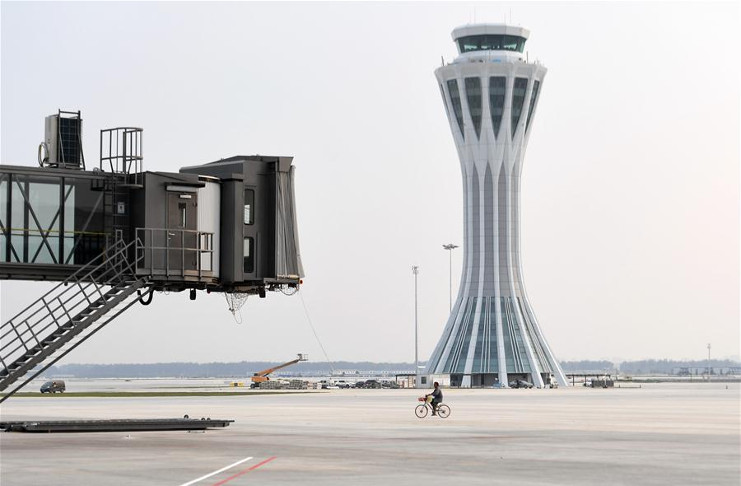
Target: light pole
<point>450,247</point>
<point>710,370</point>
<point>415,271</point>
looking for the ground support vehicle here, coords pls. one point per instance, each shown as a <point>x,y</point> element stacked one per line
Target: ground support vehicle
<point>261,377</point>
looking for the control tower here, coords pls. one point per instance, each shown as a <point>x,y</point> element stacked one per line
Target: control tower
<point>490,92</point>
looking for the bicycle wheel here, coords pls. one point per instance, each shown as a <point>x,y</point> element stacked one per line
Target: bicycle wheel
<point>421,411</point>
<point>443,411</point>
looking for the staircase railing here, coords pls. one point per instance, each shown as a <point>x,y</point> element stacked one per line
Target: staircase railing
<point>63,304</point>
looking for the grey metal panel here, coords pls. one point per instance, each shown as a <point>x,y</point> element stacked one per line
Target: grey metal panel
<point>475,227</point>
<point>209,220</point>
<point>481,358</point>
<point>504,235</point>
<point>457,358</point>
<point>489,249</point>
<point>288,256</point>
<point>182,214</point>
<point>267,188</point>
<point>274,227</point>
<point>232,201</point>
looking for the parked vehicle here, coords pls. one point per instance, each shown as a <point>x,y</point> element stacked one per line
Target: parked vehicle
<point>53,386</point>
<point>520,384</point>
<point>328,385</point>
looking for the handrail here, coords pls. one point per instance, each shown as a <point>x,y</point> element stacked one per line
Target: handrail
<point>74,275</point>
<point>83,286</point>
<point>46,366</point>
<point>203,247</point>
<point>79,281</point>
<point>107,269</point>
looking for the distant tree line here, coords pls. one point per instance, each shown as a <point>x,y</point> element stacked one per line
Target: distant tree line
<point>349,368</point>
<point>586,365</point>
<point>646,366</point>
<point>221,370</point>
<point>666,366</point>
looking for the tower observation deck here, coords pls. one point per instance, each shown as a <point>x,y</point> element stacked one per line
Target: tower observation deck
<point>490,93</point>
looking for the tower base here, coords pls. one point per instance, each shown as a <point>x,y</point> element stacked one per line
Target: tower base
<point>487,380</point>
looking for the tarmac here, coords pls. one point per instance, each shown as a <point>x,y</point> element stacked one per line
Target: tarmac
<point>659,434</point>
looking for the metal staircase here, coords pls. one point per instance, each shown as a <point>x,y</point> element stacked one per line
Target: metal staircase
<point>67,315</point>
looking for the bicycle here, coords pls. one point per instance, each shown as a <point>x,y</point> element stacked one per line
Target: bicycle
<point>421,410</point>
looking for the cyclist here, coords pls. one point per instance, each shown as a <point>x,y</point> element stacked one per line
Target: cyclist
<point>435,398</point>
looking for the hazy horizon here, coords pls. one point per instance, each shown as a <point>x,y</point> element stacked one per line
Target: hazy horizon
<point>411,363</point>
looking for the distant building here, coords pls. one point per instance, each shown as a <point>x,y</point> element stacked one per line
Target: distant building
<point>490,92</point>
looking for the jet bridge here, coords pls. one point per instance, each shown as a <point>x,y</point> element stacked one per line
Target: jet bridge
<point>114,234</point>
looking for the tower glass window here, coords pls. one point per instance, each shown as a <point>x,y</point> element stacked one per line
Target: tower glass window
<point>455,100</point>
<point>473,95</point>
<point>497,90</point>
<point>491,42</point>
<point>518,99</point>
<point>533,100</point>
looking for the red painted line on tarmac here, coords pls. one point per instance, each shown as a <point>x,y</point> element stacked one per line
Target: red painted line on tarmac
<point>245,471</point>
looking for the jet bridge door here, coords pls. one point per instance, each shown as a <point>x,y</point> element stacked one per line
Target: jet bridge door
<point>182,231</point>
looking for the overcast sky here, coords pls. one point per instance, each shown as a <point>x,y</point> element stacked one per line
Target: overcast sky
<point>630,190</point>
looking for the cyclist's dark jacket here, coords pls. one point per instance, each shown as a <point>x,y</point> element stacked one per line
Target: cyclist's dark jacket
<point>437,395</point>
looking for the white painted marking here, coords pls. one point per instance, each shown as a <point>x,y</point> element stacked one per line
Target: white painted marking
<point>216,472</point>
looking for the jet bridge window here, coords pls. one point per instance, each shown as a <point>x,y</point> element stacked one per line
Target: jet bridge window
<point>40,219</point>
<point>249,206</point>
<point>182,210</point>
<point>249,255</point>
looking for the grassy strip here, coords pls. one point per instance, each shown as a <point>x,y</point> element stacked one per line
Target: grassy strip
<point>153,394</point>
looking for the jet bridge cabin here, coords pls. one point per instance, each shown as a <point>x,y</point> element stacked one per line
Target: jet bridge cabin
<point>112,235</point>
<point>225,226</point>
<point>253,205</point>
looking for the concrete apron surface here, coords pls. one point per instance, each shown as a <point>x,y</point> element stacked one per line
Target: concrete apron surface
<point>659,434</point>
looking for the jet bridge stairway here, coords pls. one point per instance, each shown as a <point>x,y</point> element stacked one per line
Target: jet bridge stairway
<point>67,315</point>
